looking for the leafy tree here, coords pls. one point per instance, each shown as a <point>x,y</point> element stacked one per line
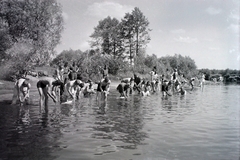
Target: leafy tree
<point>67,56</point>
<point>39,21</point>
<point>106,37</point>
<point>135,30</point>
<point>185,65</point>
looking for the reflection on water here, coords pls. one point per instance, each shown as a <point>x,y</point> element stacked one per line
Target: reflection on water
<point>204,124</point>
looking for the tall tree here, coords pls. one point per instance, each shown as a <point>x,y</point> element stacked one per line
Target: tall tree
<point>106,37</point>
<point>135,30</point>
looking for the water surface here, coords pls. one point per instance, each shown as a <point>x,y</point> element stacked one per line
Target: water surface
<point>202,125</point>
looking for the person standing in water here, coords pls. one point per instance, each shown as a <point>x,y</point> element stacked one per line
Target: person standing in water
<point>103,88</point>
<point>202,80</point>
<point>66,72</point>
<point>154,79</point>
<point>44,86</point>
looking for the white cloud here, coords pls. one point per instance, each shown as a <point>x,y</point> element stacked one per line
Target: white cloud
<point>214,48</point>
<point>84,46</point>
<point>160,31</point>
<point>186,40</point>
<point>213,11</point>
<point>234,16</point>
<point>104,9</point>
<point>234,28</point>
<point>65,16</point>
<point>178,31</point>
<point>232,50</point>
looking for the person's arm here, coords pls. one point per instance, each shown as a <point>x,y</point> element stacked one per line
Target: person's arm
<point>100,86</point>
<point>51,96</point>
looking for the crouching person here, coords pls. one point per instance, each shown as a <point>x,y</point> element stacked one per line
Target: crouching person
<point>74,88</point>
<point>146,89</point>
<point>124,89</point>
<point>21,86</point>
<point>165,88</point>
<point>88,89</point>
<point>103,88</point>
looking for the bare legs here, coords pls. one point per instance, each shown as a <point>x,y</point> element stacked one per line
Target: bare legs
<point>43,102</point>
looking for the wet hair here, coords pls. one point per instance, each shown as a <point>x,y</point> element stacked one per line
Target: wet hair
<point>106,79</point>
<point>25,83</point>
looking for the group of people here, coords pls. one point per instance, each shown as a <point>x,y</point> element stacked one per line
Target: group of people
<point>65,80</point>
<point>174,82</point>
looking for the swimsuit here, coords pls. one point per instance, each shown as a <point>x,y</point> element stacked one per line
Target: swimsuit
<point>103,85</point>
<point>43,84</point>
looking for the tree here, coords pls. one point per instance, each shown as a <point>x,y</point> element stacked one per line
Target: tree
<point>135,32</point>
<point>106,37</point>
<point>39,21</point>
<point>185,65</point>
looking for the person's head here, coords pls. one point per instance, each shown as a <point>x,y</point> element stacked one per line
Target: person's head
<point>79,83</point>
<point>74,63</point>
<point>106,79</point>
<point>131,79</point>
<point>60,67</point>
<point>165,82</point>
<point>65,64</point>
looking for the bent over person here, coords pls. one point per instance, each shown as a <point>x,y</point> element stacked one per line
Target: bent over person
<point>104,87</point>
<point>22,85</point>
<point>44,87</point>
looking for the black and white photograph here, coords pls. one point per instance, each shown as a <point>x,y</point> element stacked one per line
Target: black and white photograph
<point>119,80</point>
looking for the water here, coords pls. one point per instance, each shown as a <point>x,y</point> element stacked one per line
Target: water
<point>202,125</point>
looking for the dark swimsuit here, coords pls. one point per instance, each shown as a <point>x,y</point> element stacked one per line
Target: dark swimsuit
<point>42,83</point>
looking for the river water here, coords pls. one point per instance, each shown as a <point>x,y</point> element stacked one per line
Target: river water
<point>202,125</point>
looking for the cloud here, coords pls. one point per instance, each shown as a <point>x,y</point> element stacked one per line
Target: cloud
<point>214,48</point>
<point>232,50</point>
<point>65,16</point>
<point>178,31</point>
<point>186,40</point>
<point>84,46</point>
<point>234,16</point>
<point>234,28</point>
<point>213,11</point>
<point>104,9</point>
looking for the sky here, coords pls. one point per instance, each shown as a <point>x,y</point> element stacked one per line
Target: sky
<point>205,30</point>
